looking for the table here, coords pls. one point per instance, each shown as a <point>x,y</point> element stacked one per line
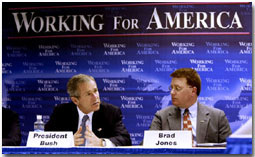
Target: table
<point>234,146</point>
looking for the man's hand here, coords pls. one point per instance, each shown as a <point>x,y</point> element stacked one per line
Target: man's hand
<point>93,140</point>
<point>78,140</point>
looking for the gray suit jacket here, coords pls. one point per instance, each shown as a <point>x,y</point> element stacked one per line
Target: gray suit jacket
<point>212,124</point>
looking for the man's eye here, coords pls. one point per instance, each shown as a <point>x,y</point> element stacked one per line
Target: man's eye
<point>178,88</point>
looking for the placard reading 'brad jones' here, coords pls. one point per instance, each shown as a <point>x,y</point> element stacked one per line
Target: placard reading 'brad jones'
<point>168,139</point>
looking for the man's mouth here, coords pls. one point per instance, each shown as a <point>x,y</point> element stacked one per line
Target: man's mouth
<point>96,103</point>
<point>174,100</point>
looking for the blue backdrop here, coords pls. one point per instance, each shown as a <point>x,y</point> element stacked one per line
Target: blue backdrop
<point>131,49</point>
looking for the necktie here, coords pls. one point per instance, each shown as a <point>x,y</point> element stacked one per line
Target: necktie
<point>83,125</point>
<point>186,121</point>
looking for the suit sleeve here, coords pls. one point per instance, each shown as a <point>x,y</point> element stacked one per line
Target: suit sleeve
<point>55,121</point>
<point>156,123</point>
<point>224,128</point>
<point>63,118</point>
<point>121,136</point>
<point>14,135</point>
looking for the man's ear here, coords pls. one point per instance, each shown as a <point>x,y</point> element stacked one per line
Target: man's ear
<point>195,90</point>
<point>75,100</point>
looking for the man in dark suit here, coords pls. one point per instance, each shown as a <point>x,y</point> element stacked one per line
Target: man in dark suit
<point>104,126</point>
<point>11,135</point>
<point>209,125</point>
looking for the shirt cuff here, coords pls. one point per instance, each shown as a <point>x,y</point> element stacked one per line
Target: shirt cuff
<point>109,143</point>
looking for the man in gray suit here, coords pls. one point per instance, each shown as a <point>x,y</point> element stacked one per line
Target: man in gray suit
<point>209,125</point>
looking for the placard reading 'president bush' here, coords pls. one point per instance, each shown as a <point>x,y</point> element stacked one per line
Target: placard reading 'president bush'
<point>131,49</point>
<point>50,139</point>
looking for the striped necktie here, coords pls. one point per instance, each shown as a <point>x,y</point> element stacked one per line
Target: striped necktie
<point>186,121</point>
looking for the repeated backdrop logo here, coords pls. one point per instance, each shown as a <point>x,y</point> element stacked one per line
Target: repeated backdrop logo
<point>130,55</point>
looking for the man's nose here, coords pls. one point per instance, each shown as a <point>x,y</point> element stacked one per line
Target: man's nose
<point>95,95</point>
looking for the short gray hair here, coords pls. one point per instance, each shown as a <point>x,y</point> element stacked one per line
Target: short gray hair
<point>72,85</point>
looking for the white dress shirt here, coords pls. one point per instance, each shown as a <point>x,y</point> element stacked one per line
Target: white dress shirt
<point>89,123</point>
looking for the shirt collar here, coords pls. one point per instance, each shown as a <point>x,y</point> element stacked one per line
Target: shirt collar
<point>192,110</point>
<point>81,114</point>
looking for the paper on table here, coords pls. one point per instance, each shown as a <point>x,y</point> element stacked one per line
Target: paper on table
<point>211,144</point>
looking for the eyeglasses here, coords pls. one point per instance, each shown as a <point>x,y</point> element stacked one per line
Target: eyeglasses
<point>177,88</point>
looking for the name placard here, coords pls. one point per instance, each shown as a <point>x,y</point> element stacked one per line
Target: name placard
<point>50,139</point>
<point>167,139</point>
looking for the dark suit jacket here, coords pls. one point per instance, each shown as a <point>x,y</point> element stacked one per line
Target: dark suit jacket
<point>212,124</point>
<point>106,122</point>
<point>11,135</point>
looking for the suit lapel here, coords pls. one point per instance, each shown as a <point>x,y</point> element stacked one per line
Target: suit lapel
<point>98,123</point>
<point>203,119</point>
<point>75,119</point>
<point>174,119</point>
<point>95,121</point>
